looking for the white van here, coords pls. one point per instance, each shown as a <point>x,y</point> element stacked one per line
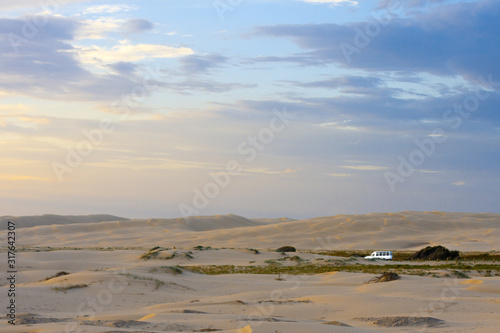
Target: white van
<point>386,255</point>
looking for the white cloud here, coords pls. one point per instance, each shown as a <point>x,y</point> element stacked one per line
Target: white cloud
<point>459,183</point>
<point>50,5</point>
<point>339,174</point>
<point>130,53</point>
<point>333,2</point>
<point>349,128</point>
<point>97,29</point>
<point>108,9</point>
<point>267,171</point>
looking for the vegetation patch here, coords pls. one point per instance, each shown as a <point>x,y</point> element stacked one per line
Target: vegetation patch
<point>152,253</point>
<point>33,319</point>
<point>401,321</point>
<point>286,249</point>
<point>167,269</point>
<point>254,251</point>
<point>158,283</point>
<point>295,258</point>
<point>385,277</point>
<point>435,253</point>
<point>62,273</point>
<point>71,286</point>
<point>460,275</point>
<point>202,248</point>
<point>308,268</point>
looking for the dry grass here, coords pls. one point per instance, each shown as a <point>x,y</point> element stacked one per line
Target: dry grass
<point>272,268</point>
<point>69,287</point>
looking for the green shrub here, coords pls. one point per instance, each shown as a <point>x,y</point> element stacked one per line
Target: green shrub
<point>459,274</point>
<point>435,252</point>
<point>286,249</point>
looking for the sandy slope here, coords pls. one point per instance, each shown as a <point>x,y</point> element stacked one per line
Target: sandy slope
<point>404,230</point>
<point>122,293</point>
<point>49,219</point>
<point>128,294</point>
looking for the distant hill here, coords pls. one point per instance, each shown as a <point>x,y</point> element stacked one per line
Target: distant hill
<point>376,231</point>
<point>48,219</point>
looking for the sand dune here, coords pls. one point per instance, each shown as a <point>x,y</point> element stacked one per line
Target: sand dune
<point>119,292</point>
<point>404,230</point>
<point>48,219</point>
<point>93,279</point>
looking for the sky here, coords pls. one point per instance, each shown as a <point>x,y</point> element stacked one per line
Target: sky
<point>260,108</point>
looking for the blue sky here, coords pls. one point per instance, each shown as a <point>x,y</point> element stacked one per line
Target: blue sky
<point>323,107</point>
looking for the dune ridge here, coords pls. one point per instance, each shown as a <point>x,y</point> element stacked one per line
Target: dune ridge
<point>95,276</point>
<point>51,219</point>
<point>396,231</point>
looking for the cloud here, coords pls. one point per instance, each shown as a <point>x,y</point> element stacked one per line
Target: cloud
<point>128,52</point>
<point>365,167</point>
<point>459,183</point>
<point>333,2</point>
<point>46,65</point>
<point>409,3</point>
<point>123,68</point>
<point>188,86</point>
<point>99,28</point>
<point>267,171</point>
<point>107,9</point>
<point>135,26</point>
<point>21,177</point>
<point>450,39</point>
<point>429,171</point>
<point>349,84</point>
<point>36,4</point>
<point>201,63</point>
<point>339,174</point>
<point>13,108</point>
<point>22,121</point>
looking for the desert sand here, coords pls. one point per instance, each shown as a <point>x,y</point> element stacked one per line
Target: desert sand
<point>107,287</point>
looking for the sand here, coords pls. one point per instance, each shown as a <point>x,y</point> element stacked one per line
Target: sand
<point>117,291</point>
<point>404,230</point>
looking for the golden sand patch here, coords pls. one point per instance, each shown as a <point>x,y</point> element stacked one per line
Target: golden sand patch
<point>472,281</point>
<point>149,316</point>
